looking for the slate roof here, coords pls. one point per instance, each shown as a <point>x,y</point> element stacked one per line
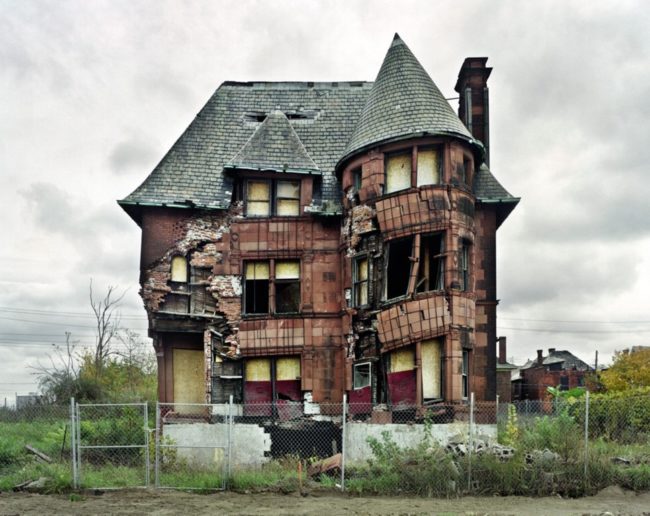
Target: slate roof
<point>307,126</point>
<point>192,170</point>
<point>274,146</point>
<point>566,358</point>
<point>404,101</point>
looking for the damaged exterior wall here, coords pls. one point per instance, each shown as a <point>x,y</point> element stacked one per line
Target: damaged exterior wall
<point>308,254</point>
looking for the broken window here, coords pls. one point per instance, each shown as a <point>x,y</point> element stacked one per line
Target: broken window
<point>287,199</point>
<point>285,202</point>
<point>179,269</point>
<point>360,273</point>
<point>463,265</point>
<point>428,168</point>
<point>287,287</point>
<point>362,375</point>
<point>398,172</point>
<point>431,352</point>
<point>465,374</point>
<point>256,293</point>
<point>398,267</point>
<point>431,263</point>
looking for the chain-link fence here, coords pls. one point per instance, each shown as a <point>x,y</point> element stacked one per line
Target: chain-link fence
<point>567,446</point>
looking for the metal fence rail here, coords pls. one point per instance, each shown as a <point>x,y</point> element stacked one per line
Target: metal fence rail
<point>567,446</point>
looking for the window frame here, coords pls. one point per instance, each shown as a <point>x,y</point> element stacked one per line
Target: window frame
<point>392,155</point>
<point>356,366</point>
<point>360,283</point>
<point>272,290</point>
<point>464,258</point>
<point>273,197</point>
<point>439,151</point>
<point>465,374</point>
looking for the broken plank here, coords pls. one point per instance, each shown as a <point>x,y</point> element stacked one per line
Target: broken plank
<point>38,453</point>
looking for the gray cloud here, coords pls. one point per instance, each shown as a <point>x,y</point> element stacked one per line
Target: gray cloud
<point>132,156</point>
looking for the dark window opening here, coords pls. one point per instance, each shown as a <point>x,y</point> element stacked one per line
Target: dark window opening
<point>398,268</point>
<point>287,287</point>
<point>465,374</point>
<point>256,293</point>
<point>356,179</point>
<point>564,383</point>
<point>463,265</point>
<point>431,270</point>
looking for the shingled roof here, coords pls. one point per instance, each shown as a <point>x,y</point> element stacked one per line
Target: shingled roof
<point>404,102</point>
<point>303,127</point>
<point>274,146</point>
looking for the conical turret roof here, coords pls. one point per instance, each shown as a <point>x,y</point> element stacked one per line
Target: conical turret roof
<point>274,146</point>
<point>404,102</point>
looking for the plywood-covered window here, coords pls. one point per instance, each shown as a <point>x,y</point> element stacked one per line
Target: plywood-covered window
<point>287,198</point>
<point>179,269</point>
<point>428,167</point>
<point>287,286</point>
<point>431,352</point>
<point>258,198</point>
<point>398,172</point>
<point>360,273</point>
<point>256,293</point>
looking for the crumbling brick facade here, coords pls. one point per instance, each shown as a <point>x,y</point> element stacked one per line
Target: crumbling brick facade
<point>302,241</point>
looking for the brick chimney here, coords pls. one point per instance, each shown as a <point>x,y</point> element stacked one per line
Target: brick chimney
<point>473,102</point>
<point>551,351</point>
<point>502,350</point>
<point>540,356</point>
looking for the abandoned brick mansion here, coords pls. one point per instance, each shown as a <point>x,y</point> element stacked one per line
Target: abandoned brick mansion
<point>305,240</point>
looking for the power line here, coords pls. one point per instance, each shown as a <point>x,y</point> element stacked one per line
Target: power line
<point>29,311</point>
<point>49,323</point>
<point>573,321</point>
<point>555,330</point>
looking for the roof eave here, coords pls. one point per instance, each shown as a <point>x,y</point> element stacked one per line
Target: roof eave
<point>285,170</point>
<point>504,207</point>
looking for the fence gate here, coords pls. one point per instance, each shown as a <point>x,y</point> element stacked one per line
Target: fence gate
<point>110,445</point>
<point>193,445</point>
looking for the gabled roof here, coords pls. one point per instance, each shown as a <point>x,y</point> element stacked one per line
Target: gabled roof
<point>566,358</point>
<point>404,102</point>
<point>274,146</point>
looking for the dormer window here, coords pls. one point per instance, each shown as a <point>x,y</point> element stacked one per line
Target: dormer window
<point>266,198</point>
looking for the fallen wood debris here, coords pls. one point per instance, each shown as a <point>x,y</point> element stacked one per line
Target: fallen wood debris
<point>330,465</point>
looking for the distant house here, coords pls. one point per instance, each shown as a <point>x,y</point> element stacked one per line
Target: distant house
<point>559,368</point>
<point>504,373</point>
<point>26,400</point>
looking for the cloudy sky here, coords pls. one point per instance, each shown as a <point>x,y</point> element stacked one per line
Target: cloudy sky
<point>94,93</point>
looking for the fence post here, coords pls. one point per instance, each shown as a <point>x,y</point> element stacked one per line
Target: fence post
<point>156,469</point>
<point>147,458</point>
<point>77,416</point>
<point>344,433</point>
<point>586,435</point>
<point>230,418</point>
<point>470,443</point>
<point>73,444</point>
<point>496,411</point>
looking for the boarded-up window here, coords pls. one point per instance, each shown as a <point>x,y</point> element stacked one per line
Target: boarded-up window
<point>431,369</point>
<point>258,370</point>
<point>431,266</point>
<point>287,287</point>
<point>361,281</point>
<point>398,267</point>
<point>428,171</point>
<point>398,172</point>
<point>288,198</point>
<point>287,368</point>
<point>188,367</point>
<point>256,294</point>
<point>258,199</point>
<point>402,360</point>
<point>179,269</point>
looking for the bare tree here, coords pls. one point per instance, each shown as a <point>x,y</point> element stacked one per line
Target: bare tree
<point>58,380</point>
<point>107,319</point>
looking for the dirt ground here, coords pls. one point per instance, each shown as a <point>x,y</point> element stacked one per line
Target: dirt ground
<point>612,500</point>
